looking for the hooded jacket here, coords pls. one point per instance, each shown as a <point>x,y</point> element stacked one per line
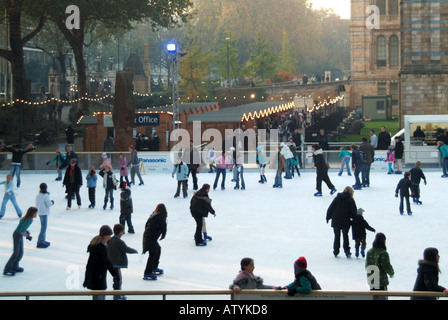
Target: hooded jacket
<point>427,279</point>
<point>319,161</point>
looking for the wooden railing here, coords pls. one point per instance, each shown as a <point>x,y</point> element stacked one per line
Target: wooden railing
<point>229,294</point>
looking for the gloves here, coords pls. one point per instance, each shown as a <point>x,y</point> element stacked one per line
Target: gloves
<point>396,195</point>
<point>291,292</point>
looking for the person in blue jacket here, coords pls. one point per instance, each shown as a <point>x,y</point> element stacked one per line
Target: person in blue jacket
<point>181,171</point>
<point>9,195</point>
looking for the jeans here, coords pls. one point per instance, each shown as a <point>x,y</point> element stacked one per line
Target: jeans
<point>445,165</point>
<point>408,204</point>
<point>109,194</point>
<point>220,171</point>
<point>15,168</point>
<point>346,163</point>
<point>278,179</point>
<point>239,173</point>
<point>359,169</point>
<point>17,254</point>
<point>43,229</point>
<point>11,197</point>
<point>135,170</point>
<point>288,168</point>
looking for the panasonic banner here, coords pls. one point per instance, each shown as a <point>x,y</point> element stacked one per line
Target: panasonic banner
<point>156,162</point>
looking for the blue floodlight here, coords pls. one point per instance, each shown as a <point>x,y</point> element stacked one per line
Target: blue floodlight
<point>171,47</point>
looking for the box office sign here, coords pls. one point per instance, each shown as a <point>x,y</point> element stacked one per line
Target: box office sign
<point>147,119</point>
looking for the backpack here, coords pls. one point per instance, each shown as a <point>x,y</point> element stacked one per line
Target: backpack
<point>362,156</point>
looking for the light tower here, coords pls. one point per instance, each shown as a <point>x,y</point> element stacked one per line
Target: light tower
<point>172,51</point>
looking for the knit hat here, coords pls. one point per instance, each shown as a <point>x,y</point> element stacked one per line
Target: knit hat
<point>123,185</point>
<point>105,231</point>
<point>301,262</point>
<point>360,211</point>
<point>104,155</point>
<point>300,265</point>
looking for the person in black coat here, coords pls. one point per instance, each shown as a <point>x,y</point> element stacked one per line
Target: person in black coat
<point>200,207</point>
<point>359,227</point>
<point>155,228</point>
<point>321,171</point>
<point>383,139</point>
<point>98,263</point>
<point>403,186</point>
<point>126,207</point>
<point>73,182</point>
<point>428,274</point>
<point>341,212</point>
<point>398,151</point>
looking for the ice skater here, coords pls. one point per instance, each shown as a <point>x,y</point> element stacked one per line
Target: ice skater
<point>321,171</point>
<point>117,251</point>
<point>126,207</point>
<point>239,170</point>
<point>416,176</point>
<point>9,195</point>
<point>12,266</point>
<point>91,186</point>
<point>135,166</point>
<point>262,162</point>
<point>17,158</point>
<point>43,204</point>
<point>109,184</point>
<point>359,227</point>
<point>123,169</point>
<point>200,207</point>
<point>59,159</point>
<point>73,182</point>
<point>403,187</point>
<point>181,171</point>
<point>222,163</point>
<point>155,229</point>
<point>344,156</point>
<point>390,159</point>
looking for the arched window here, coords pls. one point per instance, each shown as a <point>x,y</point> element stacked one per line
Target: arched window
<point>393,7</point>
<point>381,55</point>
<point>393,51</point>
<point>381,4</point>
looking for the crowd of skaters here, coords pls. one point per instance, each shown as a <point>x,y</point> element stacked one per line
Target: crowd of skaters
<point>200,206</point>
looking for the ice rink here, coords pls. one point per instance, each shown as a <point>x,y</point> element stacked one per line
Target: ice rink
<point>273,226</point>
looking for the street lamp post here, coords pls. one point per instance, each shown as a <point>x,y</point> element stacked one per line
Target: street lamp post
<point>228,60</point>
<point>172,50</point>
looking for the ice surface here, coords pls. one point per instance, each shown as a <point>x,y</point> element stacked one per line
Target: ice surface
<point>273,226</point>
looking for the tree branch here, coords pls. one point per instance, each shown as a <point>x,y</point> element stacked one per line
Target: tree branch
<point>38,28</point>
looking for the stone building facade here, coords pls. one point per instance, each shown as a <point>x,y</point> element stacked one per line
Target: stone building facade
<point>424,72</point>
<point>375,38</point>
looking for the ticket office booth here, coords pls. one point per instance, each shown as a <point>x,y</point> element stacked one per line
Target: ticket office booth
<point>420,140</point>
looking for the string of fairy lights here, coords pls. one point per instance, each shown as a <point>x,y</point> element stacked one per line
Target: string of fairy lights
<point>316,106</point>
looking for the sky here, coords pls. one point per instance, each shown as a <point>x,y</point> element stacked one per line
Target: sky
<point>341,7</point>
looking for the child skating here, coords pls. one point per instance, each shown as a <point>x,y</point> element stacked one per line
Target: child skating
<point>403,187</point>
<point>359,227</point>
<point>416,176</point>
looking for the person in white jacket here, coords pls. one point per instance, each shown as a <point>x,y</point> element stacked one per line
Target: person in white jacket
<point>43,204</point>
<point>286,152</point>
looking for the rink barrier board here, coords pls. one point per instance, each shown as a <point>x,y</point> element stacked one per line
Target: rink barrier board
<point>243,296</point>
<point>162,162</point>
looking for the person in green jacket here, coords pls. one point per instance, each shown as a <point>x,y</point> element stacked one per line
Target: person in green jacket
<point>12,266</point>
<point>304,281</point>
<point>378,265</point>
